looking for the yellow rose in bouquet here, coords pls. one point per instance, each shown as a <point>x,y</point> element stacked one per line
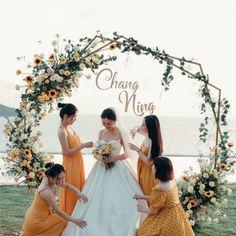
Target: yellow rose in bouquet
<point>102,152</point>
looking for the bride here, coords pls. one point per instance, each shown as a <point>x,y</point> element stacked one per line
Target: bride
<point>111,209</point>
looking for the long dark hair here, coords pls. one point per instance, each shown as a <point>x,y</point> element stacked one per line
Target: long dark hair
<point>164,169</point>
<point>67,109</point>
<point>109,114</point>
<point>154,133</point>
<point>53,170</point>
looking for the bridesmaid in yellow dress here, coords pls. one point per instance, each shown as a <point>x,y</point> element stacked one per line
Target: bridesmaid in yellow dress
<point>152,146</point>
<point>166,216</point>
<point>72,156</point>
<point>39,219</point>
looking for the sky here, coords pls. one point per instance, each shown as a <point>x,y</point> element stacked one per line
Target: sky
<point>203,30</point>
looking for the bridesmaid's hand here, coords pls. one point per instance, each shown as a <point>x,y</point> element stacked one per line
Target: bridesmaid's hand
<point>143,209</point>
<point>137,197</point>
<point>133,131</point>
<point>133,147</point>
<point>81,223</point>
<point>83,198</point>
<point>88,145</point>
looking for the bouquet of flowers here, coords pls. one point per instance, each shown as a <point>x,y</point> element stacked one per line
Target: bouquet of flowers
<point>102,152</point>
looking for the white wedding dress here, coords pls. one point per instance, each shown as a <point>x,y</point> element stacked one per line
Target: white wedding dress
<point>111,209</point>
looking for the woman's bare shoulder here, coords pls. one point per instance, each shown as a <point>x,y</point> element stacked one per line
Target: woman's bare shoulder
<point>61,131</point>
<point>101,131</point>
<point>117,130</point>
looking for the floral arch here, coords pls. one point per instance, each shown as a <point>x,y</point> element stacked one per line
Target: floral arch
<point>48,80</point>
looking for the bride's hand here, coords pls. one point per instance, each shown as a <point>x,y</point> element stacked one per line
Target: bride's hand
<point>133,147</point>
<point>83,198</point>
<point>81,223</point>
<point>110,159</point>
<point>95,145</point>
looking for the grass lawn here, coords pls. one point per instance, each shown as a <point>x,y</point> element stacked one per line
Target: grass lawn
<point>16,199</point>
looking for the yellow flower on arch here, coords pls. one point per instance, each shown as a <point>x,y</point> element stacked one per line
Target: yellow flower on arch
<point>192,203</point>
<point>18,72</point>
<point>42,114</point>
<point>41,175</point>
<point>112,46</point>
<point>63,60</point>
<point>67,73</point>
<point>52,93</point>
<point>29,78</point>
<point>14,154</point>
<point>24,163</point>
<point>23,106</point>
<point>15,158</point>
<point>223,166</point>
<point>27,153</point>
<point>230,144</point>
<point>88,62</point>
<point>76,56</point>
<point>209,193</point>
<point>52,58</point>
<point>185,178</point>
<point>95,55</point>
<point>29,86</point>
<point>8,125</point>
<point>38,61</point>
<point>215,173</point>
<point>41,99</point>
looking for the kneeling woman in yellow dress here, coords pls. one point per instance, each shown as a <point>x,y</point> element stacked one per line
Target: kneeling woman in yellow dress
<point>166,216</point>
<point>39,219</point>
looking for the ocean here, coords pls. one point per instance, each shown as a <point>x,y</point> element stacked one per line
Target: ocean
<point>180,137</point>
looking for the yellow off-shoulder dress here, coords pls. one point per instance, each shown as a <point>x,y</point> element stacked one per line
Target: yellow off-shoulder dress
<point>40,221</point>
<point>171,219</point>
<point>146,177</point>
<point>74,167</point>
